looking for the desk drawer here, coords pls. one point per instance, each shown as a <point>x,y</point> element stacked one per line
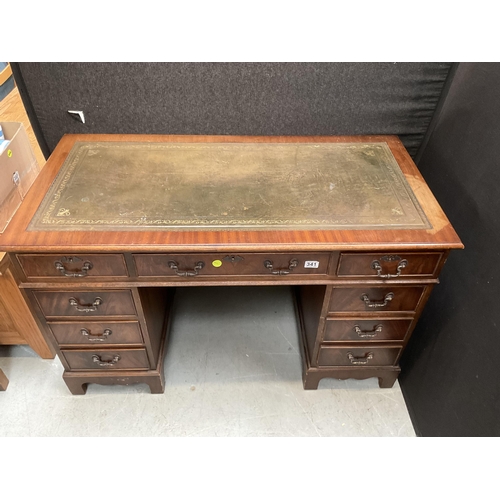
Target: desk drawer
<point>95,333</point>
<point>366,329</point>
<point>376,299</point>
<point>243,264</point>
<point>86,303</point>
<point>358,356</point>
<point>389,265</point>
<point>106,359</point>
<point>72,266</point>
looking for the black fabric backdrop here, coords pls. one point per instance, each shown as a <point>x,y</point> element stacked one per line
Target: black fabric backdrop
<point>233,98</point>
<point>451,368</point>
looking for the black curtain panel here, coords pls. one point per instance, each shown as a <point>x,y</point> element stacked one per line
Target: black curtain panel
<point>451,370</point>
<point>232,98</point>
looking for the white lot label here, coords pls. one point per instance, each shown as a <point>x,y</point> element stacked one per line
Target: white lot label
<point>311,264</point>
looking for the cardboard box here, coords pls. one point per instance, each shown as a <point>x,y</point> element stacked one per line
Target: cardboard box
<point>18,170</point>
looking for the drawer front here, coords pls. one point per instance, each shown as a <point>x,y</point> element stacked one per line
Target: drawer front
<point>389,265</point>
<point>73,266</point>
<point>358,356</point>
<point>217,264</point>
<point>366,329</point>
<point>86,303</point>
<point>106,359</point>
<point>376,299</point>
<point>93,333</point>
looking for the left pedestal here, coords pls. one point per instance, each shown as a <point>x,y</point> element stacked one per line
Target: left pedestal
<point>109,336</point>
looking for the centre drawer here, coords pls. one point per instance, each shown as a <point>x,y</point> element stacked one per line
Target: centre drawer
<point>94,333</point>
<point>223,264</point>
<point>376,299</point>
<point>106,359</point>
<point>86,303</point>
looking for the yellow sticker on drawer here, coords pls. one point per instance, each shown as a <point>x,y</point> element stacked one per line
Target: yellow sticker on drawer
<point>217,263</point>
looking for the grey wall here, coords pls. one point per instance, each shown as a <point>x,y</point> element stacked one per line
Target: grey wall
<point>451,374</point>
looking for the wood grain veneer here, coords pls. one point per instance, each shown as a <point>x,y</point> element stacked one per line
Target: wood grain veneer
<point>17,325</point>
<point>4,381</point>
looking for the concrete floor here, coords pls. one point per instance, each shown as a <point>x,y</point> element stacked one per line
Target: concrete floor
<point>232,369</point>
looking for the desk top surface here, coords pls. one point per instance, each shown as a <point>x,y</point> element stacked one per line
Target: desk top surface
<point>159,193</point>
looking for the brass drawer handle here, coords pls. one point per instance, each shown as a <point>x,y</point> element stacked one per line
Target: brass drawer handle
<point>268,264</point>
<point>364,334</point>
<point>96,337</point>
<point>175,266</point>
<point>369,303</point>
<point>376,265</point>
<point>97,359</point>
<point>86,308</point>
<point>363,360</point>
<point>87,266</point>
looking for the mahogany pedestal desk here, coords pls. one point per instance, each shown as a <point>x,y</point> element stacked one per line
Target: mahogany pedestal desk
<point>114,223</point>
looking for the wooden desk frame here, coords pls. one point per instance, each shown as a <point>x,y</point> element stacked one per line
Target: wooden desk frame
<point>345,298</point>
<point>24,329</point>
